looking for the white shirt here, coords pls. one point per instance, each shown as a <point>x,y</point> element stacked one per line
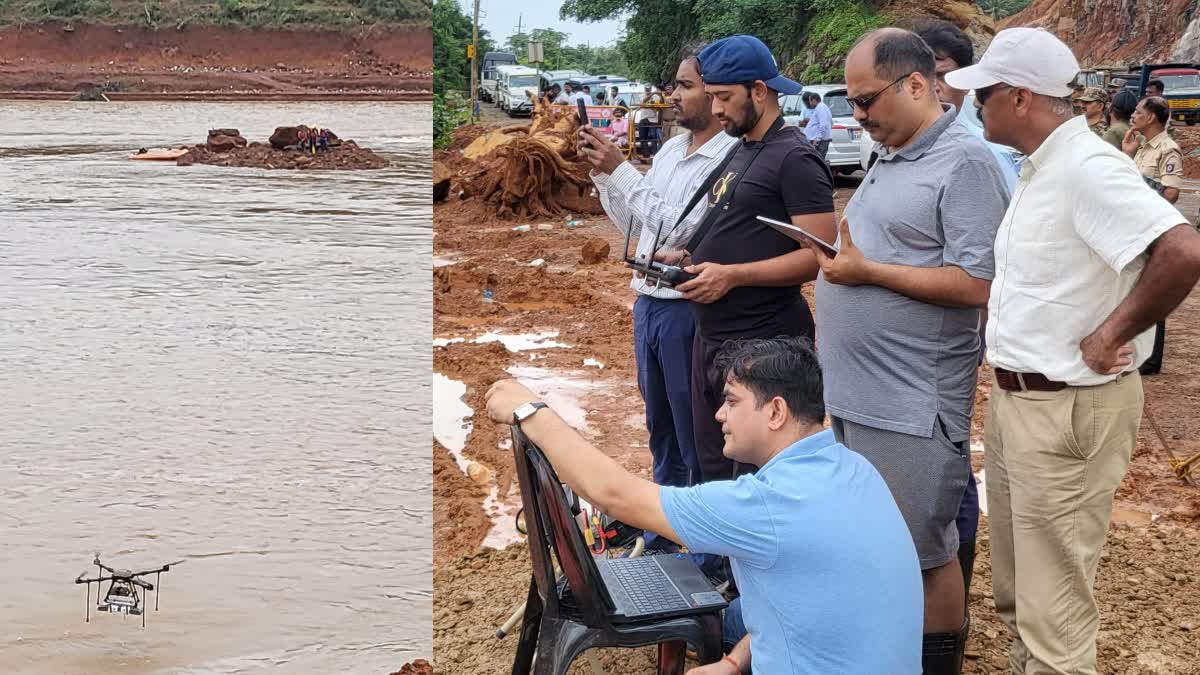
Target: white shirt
<point>587,98</point>
<point>657,199</point>
<point>1003,157</point>
<point>1069,250</point>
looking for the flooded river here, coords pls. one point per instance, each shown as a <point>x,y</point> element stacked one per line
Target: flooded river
<point>224,366</point>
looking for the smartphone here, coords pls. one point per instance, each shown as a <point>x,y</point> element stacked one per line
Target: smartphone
<point>583,116</point>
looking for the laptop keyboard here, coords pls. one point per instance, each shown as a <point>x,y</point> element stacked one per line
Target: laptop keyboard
<point>648,586</point>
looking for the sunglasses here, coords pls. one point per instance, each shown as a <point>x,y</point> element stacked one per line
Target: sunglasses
<point>982,95</point>
<point>863,103</point>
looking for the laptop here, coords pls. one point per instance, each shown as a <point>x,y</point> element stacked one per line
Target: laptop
<point>657,587</point>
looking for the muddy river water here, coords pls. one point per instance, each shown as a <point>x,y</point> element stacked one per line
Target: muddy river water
<point>224,366</point>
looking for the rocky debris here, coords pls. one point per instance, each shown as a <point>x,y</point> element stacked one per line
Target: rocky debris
<point>347,156</point>
<point>418,667</point>
<point>441,181</point>
<point>224,140</point>
<point>227,147</point>
<point>594,251</point>
<point>285,137</point>
<point>1115,32</point>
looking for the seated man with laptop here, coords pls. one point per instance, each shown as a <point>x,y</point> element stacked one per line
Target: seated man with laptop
<point>827,570</point>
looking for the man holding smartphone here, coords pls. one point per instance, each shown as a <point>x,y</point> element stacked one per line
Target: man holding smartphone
<point>655,204</point>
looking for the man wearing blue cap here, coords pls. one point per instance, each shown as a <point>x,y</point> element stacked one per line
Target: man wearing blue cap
<point>749,275</point>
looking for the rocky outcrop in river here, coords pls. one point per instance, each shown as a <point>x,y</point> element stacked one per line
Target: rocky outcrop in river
<point>227,147</point>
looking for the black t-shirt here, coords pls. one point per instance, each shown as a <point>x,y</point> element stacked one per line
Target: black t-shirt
<point>785,178</point>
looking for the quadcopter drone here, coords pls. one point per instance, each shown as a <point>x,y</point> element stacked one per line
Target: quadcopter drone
<point>123,596</point>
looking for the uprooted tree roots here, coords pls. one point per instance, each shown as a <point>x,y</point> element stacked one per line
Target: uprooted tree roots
<point>526,174</point>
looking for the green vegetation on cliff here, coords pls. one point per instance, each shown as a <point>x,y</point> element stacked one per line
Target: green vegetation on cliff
<point>810,38</point>
<point>332,14</point>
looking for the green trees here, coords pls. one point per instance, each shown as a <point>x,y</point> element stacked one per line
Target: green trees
<point>808,37</point>
<point>999,9</point>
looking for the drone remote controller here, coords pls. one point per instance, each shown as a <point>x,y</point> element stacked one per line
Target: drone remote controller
<point>666,275</point>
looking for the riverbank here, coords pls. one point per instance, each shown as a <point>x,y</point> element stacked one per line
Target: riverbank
<point>55,61</point>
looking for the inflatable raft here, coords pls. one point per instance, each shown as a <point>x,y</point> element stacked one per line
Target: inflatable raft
<point>160,154</point>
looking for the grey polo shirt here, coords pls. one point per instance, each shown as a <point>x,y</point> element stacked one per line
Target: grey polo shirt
<point>889,361</point>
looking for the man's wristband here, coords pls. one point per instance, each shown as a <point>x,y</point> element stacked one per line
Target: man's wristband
<point>736,668</point>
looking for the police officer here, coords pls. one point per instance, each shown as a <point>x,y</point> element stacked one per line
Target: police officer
<point>1159,158</point>
<point>1093,101</point>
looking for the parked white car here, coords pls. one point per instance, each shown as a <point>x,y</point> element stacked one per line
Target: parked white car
<point>512,91</point>
<point>867,152</point>
<point>843,154</point>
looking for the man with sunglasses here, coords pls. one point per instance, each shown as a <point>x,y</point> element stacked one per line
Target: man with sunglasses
<point>1088,259</point>
<point>898,309</point>
<point>749,275</point>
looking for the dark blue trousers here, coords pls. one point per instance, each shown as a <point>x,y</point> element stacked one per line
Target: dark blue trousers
<point>663,331</point>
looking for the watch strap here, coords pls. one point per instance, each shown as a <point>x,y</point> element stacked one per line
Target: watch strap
<point>535,405</point>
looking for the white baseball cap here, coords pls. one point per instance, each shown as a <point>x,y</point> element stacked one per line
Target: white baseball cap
<point>1030,58</point>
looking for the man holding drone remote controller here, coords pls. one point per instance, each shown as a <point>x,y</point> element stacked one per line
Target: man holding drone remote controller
<point>656,205</point>
<point>748,275</point>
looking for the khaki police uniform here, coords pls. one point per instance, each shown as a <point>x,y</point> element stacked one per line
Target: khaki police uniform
<point>1161,159</point>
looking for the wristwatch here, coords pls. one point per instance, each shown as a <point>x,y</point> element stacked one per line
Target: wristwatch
<point>523,413</point>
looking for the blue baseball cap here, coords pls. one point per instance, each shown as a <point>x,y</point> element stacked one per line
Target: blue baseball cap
<point>743,58</point>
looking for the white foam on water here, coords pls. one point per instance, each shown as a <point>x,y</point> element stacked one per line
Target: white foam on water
<point>976,447</point>
<point>451,417</point>
<point>593,362</point>
<point>558,389</point>
<point>442,342</point>
<point>440,261</point>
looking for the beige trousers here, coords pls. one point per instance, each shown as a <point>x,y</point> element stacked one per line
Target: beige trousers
<point>1054,461</point>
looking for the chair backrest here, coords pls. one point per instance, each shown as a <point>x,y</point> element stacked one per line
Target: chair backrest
<point>552,528</point>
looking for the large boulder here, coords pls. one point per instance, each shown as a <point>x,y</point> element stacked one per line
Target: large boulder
<point>223,132</point>
<point>224,143</point>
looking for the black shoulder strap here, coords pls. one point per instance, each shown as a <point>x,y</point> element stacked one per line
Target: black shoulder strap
<point>706,185</point>
<point>711,216</point>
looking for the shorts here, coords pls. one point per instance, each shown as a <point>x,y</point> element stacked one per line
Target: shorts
<point>927,477</point>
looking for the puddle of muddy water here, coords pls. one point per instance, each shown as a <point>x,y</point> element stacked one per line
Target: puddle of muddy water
<point>561,390</point>
<point>451,417</point>
<point>513,342</point>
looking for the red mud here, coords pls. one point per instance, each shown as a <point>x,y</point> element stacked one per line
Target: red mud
<point>46,61</point>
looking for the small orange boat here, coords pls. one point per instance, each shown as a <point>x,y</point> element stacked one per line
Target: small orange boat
<point>159,154</point>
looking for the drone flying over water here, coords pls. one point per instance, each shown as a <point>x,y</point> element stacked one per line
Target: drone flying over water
<point>126,589</point>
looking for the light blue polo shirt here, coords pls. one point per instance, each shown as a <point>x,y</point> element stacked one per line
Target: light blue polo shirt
<point>827,569</point>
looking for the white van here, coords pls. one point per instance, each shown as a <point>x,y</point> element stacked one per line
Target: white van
<point>515,81</point>
<point>487,74</point>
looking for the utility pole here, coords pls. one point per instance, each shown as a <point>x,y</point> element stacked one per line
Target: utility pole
<point>474,68</point>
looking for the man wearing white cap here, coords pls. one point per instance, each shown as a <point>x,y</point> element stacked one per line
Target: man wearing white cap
<point>1088,244</point>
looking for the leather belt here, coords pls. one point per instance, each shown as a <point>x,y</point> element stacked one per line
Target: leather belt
<point>1010,381</point>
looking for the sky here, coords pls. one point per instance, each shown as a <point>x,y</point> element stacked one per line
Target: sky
<point>499,18</point>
